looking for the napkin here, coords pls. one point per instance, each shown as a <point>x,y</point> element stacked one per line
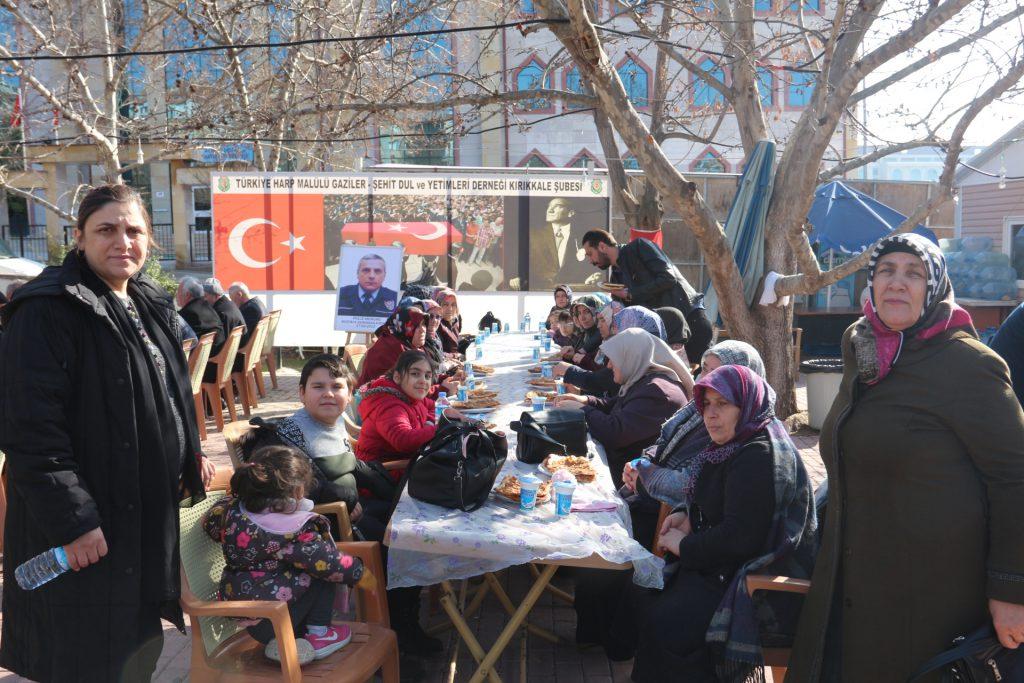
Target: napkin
<point>595,506</point>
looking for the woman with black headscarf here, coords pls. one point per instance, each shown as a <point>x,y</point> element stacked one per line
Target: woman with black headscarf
<point>924,446</point>
<point>99,427</point>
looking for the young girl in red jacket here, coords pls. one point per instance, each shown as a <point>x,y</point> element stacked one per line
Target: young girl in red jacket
<point>398,416</point>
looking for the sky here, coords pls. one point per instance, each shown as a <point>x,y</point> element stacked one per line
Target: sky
<point>951,82</point>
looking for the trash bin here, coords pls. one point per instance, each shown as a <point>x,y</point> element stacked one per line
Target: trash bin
<point>823,378</point>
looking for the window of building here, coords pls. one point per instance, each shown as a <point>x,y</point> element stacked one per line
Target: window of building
<point>762,5</point>
<point>709,162</point>
<point>636,80</point>
<point>800,88</point>
<point>915,174</point>
<point>574,84</point>
<point>581,159</point>
<point>1013,243</point>
<point>897,174</point>
<point>432,145</point>
<point>703,94</point>
<point>766,86</point>
<point>535,160</point>
<point>630,163</point>
<point>531,76</point>
<point>526,7</point>
<point>808,5</point>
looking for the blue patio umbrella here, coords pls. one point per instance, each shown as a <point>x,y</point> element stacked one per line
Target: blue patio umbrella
<point>849,221</point>
<point>744,227</point>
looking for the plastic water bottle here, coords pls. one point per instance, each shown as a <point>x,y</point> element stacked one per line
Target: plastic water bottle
<point>526,323</point>
<point>42,568</point>
<point>440,405</point>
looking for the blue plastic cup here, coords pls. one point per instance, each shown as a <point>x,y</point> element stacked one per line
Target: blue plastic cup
<point>563,497</point>
<point>546,370</point>
<point>538,403</point>
<point>463,393</point>
<point>528,485</point>
<point>559,387</point>
<point>536,353</point>
<point>494,328</point>
<point>470,382</point>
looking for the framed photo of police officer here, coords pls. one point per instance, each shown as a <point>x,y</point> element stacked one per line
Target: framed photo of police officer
<point>368,286</point>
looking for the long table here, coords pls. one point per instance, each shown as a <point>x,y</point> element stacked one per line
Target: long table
<point>434,545</point>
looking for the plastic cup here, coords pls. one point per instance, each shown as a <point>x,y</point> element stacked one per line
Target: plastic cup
<point>547,343</point>
<point>528,485</point>
<point>463,393</point>
<point>538,403</point>
<point>507,328</point>
<point>559,386</point>
<point>563,497</point>
<point>470,382</point>
<point>536,353</point>
<point>494,328</point>
<point>547,370</point>
<point>467,367</point>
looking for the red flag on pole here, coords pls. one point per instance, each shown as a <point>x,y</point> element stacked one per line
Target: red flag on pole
<point>652,235</point>
<point>16,112</point>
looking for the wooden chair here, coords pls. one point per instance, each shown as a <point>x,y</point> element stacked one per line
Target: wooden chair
<point>245,379</point>
<point>353,356</point>
<point>223,651</point>
<point>233,434</point>
<point>351,427</point>
<point>267,356</point>
<point>197,361</point>
<point>776,658</point>
<point>221,386</point>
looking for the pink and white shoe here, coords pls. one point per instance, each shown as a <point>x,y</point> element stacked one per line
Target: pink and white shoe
<point>336,638</point>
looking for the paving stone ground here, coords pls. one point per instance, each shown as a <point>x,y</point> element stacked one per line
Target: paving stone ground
<point>545,662</point>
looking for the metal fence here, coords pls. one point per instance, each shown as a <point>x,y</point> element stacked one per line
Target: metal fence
<point>27,241</point>
<point>200,243</point>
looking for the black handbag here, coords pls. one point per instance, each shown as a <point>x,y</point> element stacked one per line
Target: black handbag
<point>458,467</point>
<point>976,658</point>
<point>550,431</point>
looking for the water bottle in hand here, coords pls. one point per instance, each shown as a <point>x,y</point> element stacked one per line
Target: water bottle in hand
<point>42,568</point>
<point>440,405</point>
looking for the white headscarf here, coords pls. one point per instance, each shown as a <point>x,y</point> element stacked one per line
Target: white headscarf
<point>636,352</point>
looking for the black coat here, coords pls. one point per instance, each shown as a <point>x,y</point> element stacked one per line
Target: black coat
<point>652,278</point>
<point>252,311</point>
<point>230,317</point>
<point>201,317</point>
<point>68,428</point>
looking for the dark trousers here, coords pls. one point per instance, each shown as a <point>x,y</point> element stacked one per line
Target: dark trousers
<point>312,609</point>
<point>667,629</point>
<point>701,332</point>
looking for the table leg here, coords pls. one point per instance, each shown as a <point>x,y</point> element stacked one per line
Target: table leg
<point>487,666</point>
<point>454,658</point>
<point>472,644</point>
<point>503,598</point>
<point>554,590</point>
<point>474,605</point>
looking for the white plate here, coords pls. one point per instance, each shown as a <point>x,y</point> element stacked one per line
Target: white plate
<point>497,495</point>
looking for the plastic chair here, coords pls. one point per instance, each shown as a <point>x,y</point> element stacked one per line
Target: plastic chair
<point>267,356</point>
<point>221,386</point>
<point>776,658</point>
<point>245,379</point>
<point>197,361</point>
<point>351,427</point>
<point>187,345</point>
<point>223,651</point>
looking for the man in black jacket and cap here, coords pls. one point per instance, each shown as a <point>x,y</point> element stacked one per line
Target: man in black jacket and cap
<point>651,280</point>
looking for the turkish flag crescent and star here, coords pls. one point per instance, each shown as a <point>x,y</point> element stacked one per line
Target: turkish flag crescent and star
<point>269,241</point>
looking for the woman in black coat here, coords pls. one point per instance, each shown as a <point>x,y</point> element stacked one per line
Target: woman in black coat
<point>98,424</point>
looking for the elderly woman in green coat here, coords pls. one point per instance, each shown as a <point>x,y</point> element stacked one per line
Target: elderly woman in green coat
<point>924,446</point>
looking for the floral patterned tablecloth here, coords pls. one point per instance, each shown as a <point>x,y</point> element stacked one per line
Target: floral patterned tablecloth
<point>429,543</point>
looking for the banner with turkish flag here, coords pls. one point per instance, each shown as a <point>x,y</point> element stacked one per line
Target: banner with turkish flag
<point>652,235</point>
<point>269,241</point>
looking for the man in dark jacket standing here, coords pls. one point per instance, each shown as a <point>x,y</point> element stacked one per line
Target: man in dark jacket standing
<point>251,308</point>
<point>653,281</point>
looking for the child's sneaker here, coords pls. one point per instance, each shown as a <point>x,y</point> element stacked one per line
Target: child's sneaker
<point>302,646</point>
<point>336,638</point>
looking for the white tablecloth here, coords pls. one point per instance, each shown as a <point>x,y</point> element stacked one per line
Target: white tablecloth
<point>429,543</point>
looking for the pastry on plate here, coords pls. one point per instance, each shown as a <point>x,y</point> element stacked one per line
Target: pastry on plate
<point>509,488</point>
<point>542,382</point>
<point>482,369</point>
<point>580,467</point>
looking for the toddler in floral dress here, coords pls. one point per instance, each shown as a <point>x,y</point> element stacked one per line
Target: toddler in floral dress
<point>276,548</point>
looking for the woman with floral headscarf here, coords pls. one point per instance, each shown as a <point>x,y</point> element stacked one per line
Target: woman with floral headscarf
<point>751,510</point>
<point>450,330</point>
<point>405,330</point>
<point>563,299</point>
<point>584,315</point>
<point>924,447</point>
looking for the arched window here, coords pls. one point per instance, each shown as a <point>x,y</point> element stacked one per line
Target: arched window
<point>526,7</point>
<point>762,5</point>
<point>703,94</point>
<point>915,174</point>
<point>766,86</point>
<point>535,160</point>
<point>630,163</point>
<point>809,5</point>
<point>709,162</point>
<point>897,174</point>
<point>530,76</point>
<point>574,83</point>
<point>800,88</point>
<point>636,80</point>
<point>580,160</point>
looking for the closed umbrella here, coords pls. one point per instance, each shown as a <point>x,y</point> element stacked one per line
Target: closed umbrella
<point>744,227</point>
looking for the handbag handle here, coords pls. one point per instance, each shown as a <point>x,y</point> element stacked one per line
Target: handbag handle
<point>519,428</point>
<point>963,649</point>
<point>480,504</point>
